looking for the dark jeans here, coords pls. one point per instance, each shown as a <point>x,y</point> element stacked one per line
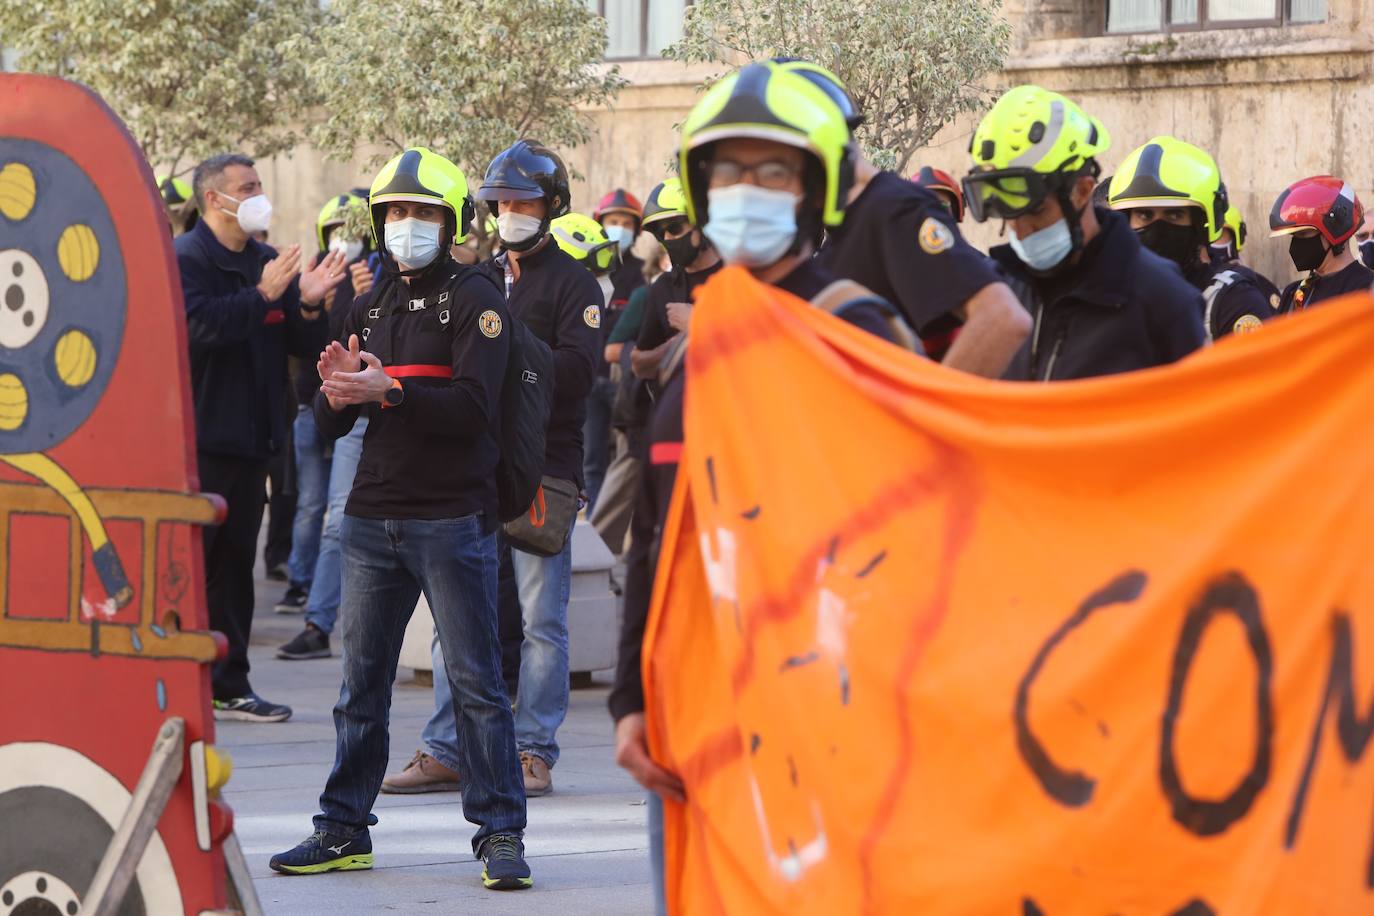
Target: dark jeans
<point>281,509</point>
<point>230,550</point>
<point>509,626</point>
<point>596,438</point>
<point>386,566</point>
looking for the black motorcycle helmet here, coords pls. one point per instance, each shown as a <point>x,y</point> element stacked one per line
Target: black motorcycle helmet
<point>527,170</point>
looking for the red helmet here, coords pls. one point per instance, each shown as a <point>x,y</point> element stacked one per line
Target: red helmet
<point>1324,203</point>
<point>619,201</point>
<point>936,180</point>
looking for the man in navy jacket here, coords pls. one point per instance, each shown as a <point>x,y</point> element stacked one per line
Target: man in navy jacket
<point>247,307</point>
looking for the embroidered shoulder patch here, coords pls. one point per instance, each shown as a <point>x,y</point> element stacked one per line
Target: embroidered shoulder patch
<point>1246,324</point>
<point>592,315</point>
<point>490,323</point>
<point>935,236</point>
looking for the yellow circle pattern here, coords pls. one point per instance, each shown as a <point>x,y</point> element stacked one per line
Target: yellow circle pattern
<point>14,402</point>
<point>17,190</point>
<point>75,358</point>
<point>78,252</point>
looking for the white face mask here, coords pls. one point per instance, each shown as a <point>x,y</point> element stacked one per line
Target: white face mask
<point>254,214</point>
<point>351,248</point>
<point>621,236</point>
<point>414,243</point>
<point>750,225</point>
<point>514,228</point>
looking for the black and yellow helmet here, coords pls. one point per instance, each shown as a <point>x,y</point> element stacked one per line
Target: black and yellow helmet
<point>665,202</point>
<point>585,240</point>
<point>422,175</point>
<point>1033,143</point>
<point>335,213</point>
<point>830,84</point>
<point>1166,172</point>
<point>770,101</point>
<point>175,191</point>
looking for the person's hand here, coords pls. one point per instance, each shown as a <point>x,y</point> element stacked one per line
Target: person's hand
<point>632,755</point>
<point>278,273</point>
<point>329,273</point>
<point>362,278</point>
<point>334,358</point>
<point>679,315</point>
<point>366,387</point>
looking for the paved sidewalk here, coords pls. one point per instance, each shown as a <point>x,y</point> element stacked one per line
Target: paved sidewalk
<point>586,842</point>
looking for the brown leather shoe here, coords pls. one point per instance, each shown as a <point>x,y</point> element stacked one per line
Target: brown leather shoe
<point>538,779</point>
<point>422,774</point>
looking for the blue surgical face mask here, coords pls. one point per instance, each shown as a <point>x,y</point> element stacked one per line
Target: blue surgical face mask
<point>622,236</point>
<point>750,225</point>
<point>414,243</point>
<point>1045,249</point>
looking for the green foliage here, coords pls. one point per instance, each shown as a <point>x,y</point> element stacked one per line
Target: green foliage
<point>466,78</point>
<point>189,78</point>
<point>911,66</point>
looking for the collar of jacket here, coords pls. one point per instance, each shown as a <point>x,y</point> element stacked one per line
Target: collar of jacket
<point>255,253</point>
<point>1102,277</point>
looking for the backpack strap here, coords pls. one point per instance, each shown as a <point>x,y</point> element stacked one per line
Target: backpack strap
<point>1210,296</point>
<point>673,361</point>
<point>842,295</point>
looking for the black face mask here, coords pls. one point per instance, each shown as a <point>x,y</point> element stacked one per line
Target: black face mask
<point>682,251</point>
<point>1367,253</point>
<point>1307,252</point>
<point>1168,240</point>
<point>1220,253</point>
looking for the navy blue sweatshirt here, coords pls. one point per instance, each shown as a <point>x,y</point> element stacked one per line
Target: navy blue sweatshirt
<point>238,345</point>
<point>445,337</point>
<point>561,303</point>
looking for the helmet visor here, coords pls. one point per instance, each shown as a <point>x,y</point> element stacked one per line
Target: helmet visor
<point>1004,194</point>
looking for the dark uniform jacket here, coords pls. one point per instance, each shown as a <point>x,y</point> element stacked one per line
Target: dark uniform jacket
<point>1314,289</point>
<point>239,343</point>
<point>1120,308</point>
<point>445,337</point>
<point>1234,300</point>
<point>561,303</point>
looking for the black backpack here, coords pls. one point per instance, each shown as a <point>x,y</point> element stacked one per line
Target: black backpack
<point>526,402</point>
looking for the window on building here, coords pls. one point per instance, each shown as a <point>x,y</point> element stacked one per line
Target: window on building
<point>1187,15</point>
<point>639,28</point>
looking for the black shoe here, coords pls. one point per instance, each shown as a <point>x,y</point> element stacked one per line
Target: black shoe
<point>503,863</point>
<point>293,602</point>
<point>277,573</point>
<point>322,852</point>
<point>312,642</point>
<point>251,708</point>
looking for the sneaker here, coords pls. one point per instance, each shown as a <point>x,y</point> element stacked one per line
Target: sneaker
<point>322,852</point>
<point>503,863</point>
<point>312,642</point>
<point>278,573</point>
<point>422,774</point>
<point>251,708</point>
<point>538,779</point>
<point>293,602</point>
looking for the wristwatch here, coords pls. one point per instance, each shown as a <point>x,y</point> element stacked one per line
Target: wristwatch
<point>394,395</point>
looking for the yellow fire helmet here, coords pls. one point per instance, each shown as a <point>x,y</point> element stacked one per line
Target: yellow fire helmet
<point>335,212</point>
<point>1236,223</point>
<point>585,240</point>
<point>419,174</point>
<point>175,191</point>
<point>770,101</point>
<point>1166,172</point>
<point>1033,143</point>
<point>665,202</point>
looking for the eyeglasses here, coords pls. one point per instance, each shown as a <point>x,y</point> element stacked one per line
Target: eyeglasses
<point>770,174</point>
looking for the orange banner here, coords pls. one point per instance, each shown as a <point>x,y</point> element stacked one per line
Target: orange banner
<point>924,643</point>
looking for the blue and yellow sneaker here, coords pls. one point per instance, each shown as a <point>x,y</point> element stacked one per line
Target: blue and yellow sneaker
<point>321,852</point>
<point>503,863</point>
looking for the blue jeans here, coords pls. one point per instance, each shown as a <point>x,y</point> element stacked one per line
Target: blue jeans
<point>387,564</point>
<point>656,853</point>
<point>596,438</point>
<point>312,478</point>
<point>322,607</point>
<point>541,705</point>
